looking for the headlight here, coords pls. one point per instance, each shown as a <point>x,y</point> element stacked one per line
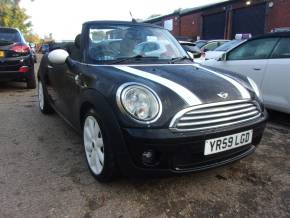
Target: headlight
<point>255,87</point>
<point>139,101</point>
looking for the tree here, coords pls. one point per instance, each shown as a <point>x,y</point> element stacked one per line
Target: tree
<point>31,37</point>
<point>12,15</point>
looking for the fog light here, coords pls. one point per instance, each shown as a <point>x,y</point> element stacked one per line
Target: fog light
<point>149,157</point>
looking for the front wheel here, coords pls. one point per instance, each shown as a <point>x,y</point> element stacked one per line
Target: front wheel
<point>99,154</point>
<point>44,104</point>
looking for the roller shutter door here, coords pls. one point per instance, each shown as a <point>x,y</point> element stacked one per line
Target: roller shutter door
<point>249,20</point>
<point>214,26</point>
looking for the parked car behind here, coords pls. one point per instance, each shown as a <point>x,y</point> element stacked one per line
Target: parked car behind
<point>192,49</point>
<point>44,48</point>
<point>210,45</point>
<point>16,58</point>
<point>219,51</point>
<point>265,59</point>
<point>148,113</point>
<point>281,29</point>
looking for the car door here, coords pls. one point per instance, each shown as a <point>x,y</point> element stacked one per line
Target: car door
<point>63,86</point>
<point>276,83</point>
<point>54,85</point>
<point>249,59</point>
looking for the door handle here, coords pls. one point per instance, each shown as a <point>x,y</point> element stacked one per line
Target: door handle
<point>256,68</point>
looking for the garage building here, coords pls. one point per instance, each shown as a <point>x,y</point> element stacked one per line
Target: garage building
<point>227,18</point>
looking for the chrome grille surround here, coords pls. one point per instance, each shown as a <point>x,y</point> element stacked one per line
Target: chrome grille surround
<point>215,115</point>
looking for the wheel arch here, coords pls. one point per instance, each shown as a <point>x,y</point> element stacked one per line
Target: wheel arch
<point>93,99</point>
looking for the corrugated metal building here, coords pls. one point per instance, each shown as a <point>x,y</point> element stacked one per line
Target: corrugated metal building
<point>225,19</point>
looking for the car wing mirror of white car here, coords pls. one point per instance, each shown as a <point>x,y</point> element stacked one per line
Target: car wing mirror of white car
<point>223,57</point>
<point>58,56</point>
<point>190,54</point>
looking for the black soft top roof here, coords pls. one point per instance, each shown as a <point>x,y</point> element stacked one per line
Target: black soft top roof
<point>110,22</point>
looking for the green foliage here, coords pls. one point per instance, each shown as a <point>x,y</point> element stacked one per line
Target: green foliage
<point>12,15</point>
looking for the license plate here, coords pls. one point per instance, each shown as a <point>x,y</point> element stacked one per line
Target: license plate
<point>213,146</point>
<point>1,54</point>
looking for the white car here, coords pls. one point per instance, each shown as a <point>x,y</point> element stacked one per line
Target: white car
<point>265,59</point>
<point>219,51</point>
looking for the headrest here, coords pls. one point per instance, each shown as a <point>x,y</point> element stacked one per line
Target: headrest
<point>78,41</point>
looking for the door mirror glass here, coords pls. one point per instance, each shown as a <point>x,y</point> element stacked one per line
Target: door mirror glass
<point>58,56</point>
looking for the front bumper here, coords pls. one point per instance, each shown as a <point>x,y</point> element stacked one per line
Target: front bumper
<point>181,152</point>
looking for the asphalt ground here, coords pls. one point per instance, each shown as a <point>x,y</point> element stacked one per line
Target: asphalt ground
<point>43,174</point>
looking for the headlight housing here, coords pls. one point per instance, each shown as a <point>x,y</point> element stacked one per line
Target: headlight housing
<point>139,102</point>
<point>255,88</point>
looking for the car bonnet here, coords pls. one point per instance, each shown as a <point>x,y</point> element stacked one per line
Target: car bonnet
<point>194,84</point>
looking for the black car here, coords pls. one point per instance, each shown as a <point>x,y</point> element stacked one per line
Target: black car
<point>16,58</point>
<point>149,112</point>
<point>194,51</point>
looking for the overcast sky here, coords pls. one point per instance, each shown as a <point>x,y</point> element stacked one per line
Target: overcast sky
<point>63,18</point>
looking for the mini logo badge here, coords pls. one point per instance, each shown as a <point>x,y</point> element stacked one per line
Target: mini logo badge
<point>223,95</point>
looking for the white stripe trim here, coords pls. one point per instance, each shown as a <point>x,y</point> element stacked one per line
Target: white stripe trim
<point>132,65</point>
<point>184,93</point>
<point>243,91</point>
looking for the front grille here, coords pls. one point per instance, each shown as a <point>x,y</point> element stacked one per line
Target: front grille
<point>215,115</point>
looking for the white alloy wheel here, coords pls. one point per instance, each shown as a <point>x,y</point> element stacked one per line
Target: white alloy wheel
<point>40,95</point>
<point>94,145</point>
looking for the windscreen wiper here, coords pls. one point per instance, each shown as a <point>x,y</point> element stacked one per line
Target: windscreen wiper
<point>174,60</point>
<point>137,57</point>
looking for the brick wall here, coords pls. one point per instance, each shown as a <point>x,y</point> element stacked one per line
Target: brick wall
<point>278,15</point>
<point>190,25</point>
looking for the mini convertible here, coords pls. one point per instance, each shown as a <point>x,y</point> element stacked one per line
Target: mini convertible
<point>144,107</point>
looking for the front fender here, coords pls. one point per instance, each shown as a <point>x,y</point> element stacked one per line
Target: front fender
<point>92,98</point>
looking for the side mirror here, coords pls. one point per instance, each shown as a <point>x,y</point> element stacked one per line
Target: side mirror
<point>58,56</point>
<point>223,57</point>
<point>190,54</point>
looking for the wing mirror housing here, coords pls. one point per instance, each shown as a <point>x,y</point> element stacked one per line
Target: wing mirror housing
<point>190,54</point>
<point>58,56</point>
<point>223,57</point>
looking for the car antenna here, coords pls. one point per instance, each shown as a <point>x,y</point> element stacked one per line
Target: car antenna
<point>133,19</point>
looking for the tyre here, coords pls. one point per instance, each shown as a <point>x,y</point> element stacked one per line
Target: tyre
<point>31,81</point>
<point>44,104</point>
<point>99,153</point>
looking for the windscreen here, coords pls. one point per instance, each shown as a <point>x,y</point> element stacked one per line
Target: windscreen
<point>228,45</point>
<point>200,44</point>
<point>117,42</point>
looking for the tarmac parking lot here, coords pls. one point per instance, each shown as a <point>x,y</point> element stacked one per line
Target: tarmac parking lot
<point>43,174</point>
